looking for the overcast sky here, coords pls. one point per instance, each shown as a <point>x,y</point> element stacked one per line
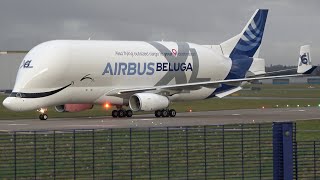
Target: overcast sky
<point>290,24</point>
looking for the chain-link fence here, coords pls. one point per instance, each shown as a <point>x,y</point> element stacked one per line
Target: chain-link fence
<point>200,152</point>
<point>308,161</point>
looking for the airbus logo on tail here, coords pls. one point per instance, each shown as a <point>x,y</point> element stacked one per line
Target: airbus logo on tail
<point>26,64</point>
<point>304,59</point>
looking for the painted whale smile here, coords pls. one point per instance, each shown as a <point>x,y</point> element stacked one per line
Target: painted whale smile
<point>39,94</point>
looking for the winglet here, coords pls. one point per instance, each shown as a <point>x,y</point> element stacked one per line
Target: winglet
<point>304,62</point>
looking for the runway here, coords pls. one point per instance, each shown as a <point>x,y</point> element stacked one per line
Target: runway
<point>182,119</point>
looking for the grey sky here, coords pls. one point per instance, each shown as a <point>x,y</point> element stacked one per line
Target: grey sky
<point>290,23</point>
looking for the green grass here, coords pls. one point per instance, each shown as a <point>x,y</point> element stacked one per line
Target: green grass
<point>108,153</point>
<point>308,144</point>
<point>203,105</point>
<point>290,91</point>
<point>157,153</point>
<point>308,130</point>
<point>284,86</point>
<point>281,93</point>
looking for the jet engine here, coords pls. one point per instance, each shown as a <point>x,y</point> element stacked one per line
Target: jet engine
<point>148,102</point>
<point>73,107</point>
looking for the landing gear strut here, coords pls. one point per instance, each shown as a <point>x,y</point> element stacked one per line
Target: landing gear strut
<point>121,113</point>
<point>165,113</point>
<point>43,115</point>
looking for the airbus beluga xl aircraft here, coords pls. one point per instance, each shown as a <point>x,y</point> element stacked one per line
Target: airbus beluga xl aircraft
<point>73,75</point>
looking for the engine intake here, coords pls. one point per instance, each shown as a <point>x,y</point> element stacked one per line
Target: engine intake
<point>148,102</point>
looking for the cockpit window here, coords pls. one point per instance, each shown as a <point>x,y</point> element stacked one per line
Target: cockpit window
<point>17,94</point>
<point>13,94</point>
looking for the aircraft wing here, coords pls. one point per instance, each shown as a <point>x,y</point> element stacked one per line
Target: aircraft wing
<point>188,86</point>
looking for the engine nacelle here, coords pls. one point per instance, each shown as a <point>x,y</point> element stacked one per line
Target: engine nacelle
<point>73,107</point>
<point>148,102</point>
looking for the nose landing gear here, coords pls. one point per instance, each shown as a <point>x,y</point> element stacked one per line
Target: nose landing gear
<point>43,115</point>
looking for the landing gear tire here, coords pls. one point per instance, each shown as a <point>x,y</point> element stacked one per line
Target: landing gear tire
<point>114,113</point>
<point>129,113</point>
<point>157,113</point>
<point>43,117</point>
<point>172,113</point>
<point>164,113</point>
<point>121,113</point>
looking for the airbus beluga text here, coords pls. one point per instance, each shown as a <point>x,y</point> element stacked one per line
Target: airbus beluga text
<point>73,75</point>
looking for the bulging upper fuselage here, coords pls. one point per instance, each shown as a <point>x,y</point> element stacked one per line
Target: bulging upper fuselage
<point>66,71</point>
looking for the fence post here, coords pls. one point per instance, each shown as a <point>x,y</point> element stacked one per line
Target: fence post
<point>74,154</point>
<point>15,154</point>
<point>282,150</point>
<point>149,153</point>
<point>187,152</point>
<point>168,152</point>
<point>54,154</point>
<point>260,165</point>
<point>205,151</point>
<point>223,158</point>
<point>131,166</point>
<point>93,154</point>
<point>35,153</point>
<point>242,156</point>
<point>314,161</point>
<point>111,149</point>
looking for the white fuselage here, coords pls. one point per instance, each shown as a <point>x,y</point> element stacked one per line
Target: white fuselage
<point>94,68</point>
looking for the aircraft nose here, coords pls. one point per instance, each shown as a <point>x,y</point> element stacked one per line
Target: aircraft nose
<point>6,103</point>
<point>9,104</point>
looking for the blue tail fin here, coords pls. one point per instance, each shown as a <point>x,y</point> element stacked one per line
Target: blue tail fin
<point>248,41</point>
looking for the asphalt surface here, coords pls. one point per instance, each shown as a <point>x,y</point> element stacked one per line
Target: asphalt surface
<point>182,119</point>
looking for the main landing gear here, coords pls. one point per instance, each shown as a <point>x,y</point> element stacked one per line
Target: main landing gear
<point>165,113</point>
<point>121,113</point>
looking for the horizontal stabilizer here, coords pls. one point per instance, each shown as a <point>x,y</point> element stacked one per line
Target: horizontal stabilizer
<point>226,93</point>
